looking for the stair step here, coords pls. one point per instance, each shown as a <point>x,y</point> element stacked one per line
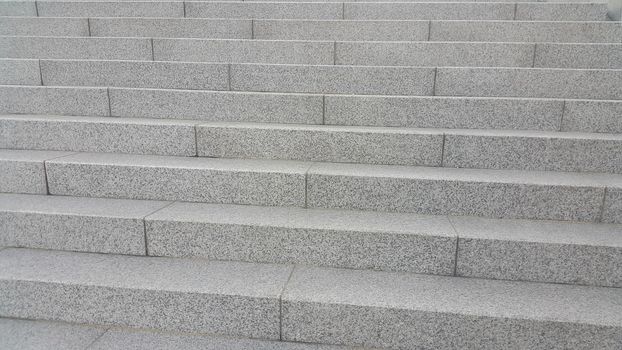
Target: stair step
<point>26,334</point>
<point>18,8</point>
<point>244,299</point>
<point>605,56</point>
<point>264,10</point>
<point>19,72</point>
<point>24,171</point>
<point>397,310</point>
<point>110,8</point>
<point>41,26</point>
<point>234,298</point>
<point>98,134</point>
<point>54,100</point>
<point>79,224</point>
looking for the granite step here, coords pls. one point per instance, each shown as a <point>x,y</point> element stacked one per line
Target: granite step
<point>23,171</point>
<point>264,301</point>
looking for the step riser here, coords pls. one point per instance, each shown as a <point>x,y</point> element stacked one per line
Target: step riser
<point>37,26</point>
<point>60,101</point>
<point>18,8</point>
<point>24,171</point>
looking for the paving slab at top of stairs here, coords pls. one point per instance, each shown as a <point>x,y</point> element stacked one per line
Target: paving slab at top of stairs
<point>98,134</point>
<point>411,311</point>
<point>110,8</point>
<point>341,30</point>
<point>38,26</point>
<point>172,27</point>
<point>77,224</point>
<point>526,31</point>
<point>23,171</point>
<point>545,251</point>
<point>272,183</point>
<point>137,74</point>
<point>264,10</point>
<point>75,48</point>
<point>41,335</point>
<point>338,238</point>
<point>54,100</point>
<point>18,8</point>
<point>195,295</point>
<point>428,11</point>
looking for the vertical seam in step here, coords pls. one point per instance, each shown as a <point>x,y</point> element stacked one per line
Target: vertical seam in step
<point>37,8</point>
<point>429,30</point>
<point>109,102</point>
<point>45,175</point>
<point>602,206</point>
<point>457,245</point>
<point>443,150</point>
<point>40,73</point>
<point>533,59</point>
<point>323,109</point>
<point>97,338</point>
<point>145,224</point>
<point>306,184</point>
<point>334,53</point>
<point>196,141</point>
<point>252,28</point>
<point>561,117</point>
<point>291,273</point>
<point>343,10</point>
<point>88,25</point>
<point>515,10</point>
<point>229,76</point>
<point>184,9</point>
<point>152,51</point>
<point>434,82</point>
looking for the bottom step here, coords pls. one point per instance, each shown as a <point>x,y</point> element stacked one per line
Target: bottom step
<point>304,304</point>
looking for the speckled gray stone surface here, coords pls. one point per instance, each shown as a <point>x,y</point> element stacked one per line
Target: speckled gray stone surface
<point>526,31</point>
<point>592,116</point>
<point>532,150</point>
<point>41,335</point>
<point>352,239</point>
<point>54,100</point>
<point>444,112</point>
<point>264,10</point>
<point>172,27</point>
<point>427,11</point>
<point>561,12</point>
<point>179,178</point>
<point>333,79</point>
<point>110,8</point>
<point>544,251</point>
<point>217,106</point>
<point>604,56</point>
<point>23,171</point>
<point>98,134</point>
<point>44,26</point>
<point>77,224</point>
<point>244,51</point>
<point>435,54</point>
<point>404,311</point>
<point>320,143</point>
<point>341,30</point>
<point>17,8</point>
<point>19,72</point>
<point>525,82</point>
<point>439,191</point>
<point>612,210</point>
<point>76,48</point>
<point>198,296</point>
<point>136,74</point>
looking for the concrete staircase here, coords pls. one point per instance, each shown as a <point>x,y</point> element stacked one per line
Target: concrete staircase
<point>303,175</point>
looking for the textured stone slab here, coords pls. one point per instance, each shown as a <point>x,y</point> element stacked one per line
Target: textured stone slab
<point>612,207</point>
<point>434,54</point>
<point>147,74</point>
<point>78,224</point>
<point>544,251</point>
<point>172,27</point>
<point>217,106</point>
<point>19,72</point>
<point>18,8</point>
<point>428,11</point>
<point>244,51</point>
<point>332,79</point>
<point>561,12</point>
<point>264,10</point>
<point>353,239</point>
<point>341,30</point>
<point>404,311</point>
<point>40,335</point>
<point>196,296</point>
<point>530,150</point>
<point>592,116</point>
<point>76,48</point>
<point>23,171</point>
<point>524,82</point>
<point>444,112</point>
<point>526,31</point>
<point>321,143</point>
<point>98,134</point>
<point>110,8</point>
<point>38,26</point>
<point>54,100</point>
<point>120,339</point>
<point>273,183</point>
<point>604,56</point>
<point>439,191</point>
